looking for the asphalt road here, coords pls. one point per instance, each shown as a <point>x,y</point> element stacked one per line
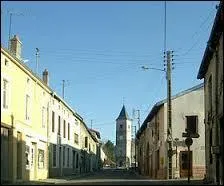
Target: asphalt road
<point>112,177</point>
<point>122,177</point>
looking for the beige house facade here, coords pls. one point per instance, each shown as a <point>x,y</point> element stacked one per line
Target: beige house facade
<point>41,135</point>
<point>187,112</point>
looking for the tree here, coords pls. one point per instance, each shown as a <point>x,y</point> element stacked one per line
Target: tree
<point>108,149</point>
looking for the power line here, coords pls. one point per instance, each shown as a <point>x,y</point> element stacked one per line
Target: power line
<point>104,51</point>
<point>194,44</point>
<point>155,93</point>
<point>201,25</point>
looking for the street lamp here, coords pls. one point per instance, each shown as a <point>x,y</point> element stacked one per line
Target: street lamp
<point>147,68</point>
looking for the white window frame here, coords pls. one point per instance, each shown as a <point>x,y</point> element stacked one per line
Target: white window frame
<point>43,111</point>
<point>27,107</point>
<point>8,99</point>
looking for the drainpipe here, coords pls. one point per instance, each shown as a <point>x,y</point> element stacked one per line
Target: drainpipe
<point>48,148</point>
<point>13,176</point>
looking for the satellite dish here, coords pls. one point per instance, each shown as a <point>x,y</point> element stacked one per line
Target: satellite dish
<point>25,60</point>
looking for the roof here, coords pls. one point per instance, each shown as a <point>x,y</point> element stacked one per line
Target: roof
<point>54,94</point>
<point>215,35</point>
<point>96,132</point>
<point>123,114</point>
<point>159,104</point>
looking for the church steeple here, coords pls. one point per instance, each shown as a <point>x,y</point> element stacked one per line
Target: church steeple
<point>123,114</point>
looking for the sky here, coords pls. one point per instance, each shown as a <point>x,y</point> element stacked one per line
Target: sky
<point>98,48</point>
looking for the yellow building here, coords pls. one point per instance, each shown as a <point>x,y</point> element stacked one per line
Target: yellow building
<point>24,111</point>
<point>41,136</point>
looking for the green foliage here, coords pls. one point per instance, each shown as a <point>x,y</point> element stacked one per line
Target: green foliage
<point>108,148</point>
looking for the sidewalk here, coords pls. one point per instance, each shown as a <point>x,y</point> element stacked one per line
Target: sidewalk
<point>51,181</point>
<point>179,181</point>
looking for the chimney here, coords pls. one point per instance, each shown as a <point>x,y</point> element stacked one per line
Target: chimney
<point>46,77</point>
<point>15,46</point>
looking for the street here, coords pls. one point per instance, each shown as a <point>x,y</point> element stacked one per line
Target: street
<point>111,176</point>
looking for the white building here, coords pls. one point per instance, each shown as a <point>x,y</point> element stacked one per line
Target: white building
<point>123,139</point>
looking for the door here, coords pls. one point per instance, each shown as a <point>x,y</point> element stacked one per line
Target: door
<point>33,161</point>
<point>73,160</point>
<point>4,154</point>
<point>19,155</point>
<point>184,163</point>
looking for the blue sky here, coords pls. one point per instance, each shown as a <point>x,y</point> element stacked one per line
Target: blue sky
<point>99,48</point>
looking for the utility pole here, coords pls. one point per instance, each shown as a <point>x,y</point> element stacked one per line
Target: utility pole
<point>63,88</point>
<point>10,25</point>
<point>138,119</point>
<point>135,149</point>
<point>169,115</point>
<point>37,56</point>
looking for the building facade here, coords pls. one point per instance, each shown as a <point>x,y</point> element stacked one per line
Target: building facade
<point>24,110</point>
<point>211,70</point>
<point>41,135</point>
<point>187,113</point>
<point>123,139</point>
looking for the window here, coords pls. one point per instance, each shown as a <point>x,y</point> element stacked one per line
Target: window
<point>27,154</point>
<point>27,107</point>
<point>52,121</point>
<point>76,122</point>
<point>128,126</point>
<point>5,93</point>
<point>76,138</point>
<point>68,131</point>
<point>121,126</point>
<point>68,158</point>
<point>89,147</point>
<point>59,125</point>
<point>64,156</point>
<point>192,122</point>
<point>54,155</point>
<point>28,80</point>
<point>6,62</point>
<point>64,129</point>
<point>43,117</point>
<point>40,158</point>
<point>86,142</point>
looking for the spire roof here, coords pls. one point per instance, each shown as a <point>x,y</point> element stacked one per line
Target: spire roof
<point>123,114</point>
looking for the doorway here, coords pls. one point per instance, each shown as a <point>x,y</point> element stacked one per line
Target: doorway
<point>183,158</point>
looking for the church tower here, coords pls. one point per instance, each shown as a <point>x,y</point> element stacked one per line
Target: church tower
<point>123,139</point>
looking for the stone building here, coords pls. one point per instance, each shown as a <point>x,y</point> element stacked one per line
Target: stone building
<point>211,70</point>
<point>123,139</point>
